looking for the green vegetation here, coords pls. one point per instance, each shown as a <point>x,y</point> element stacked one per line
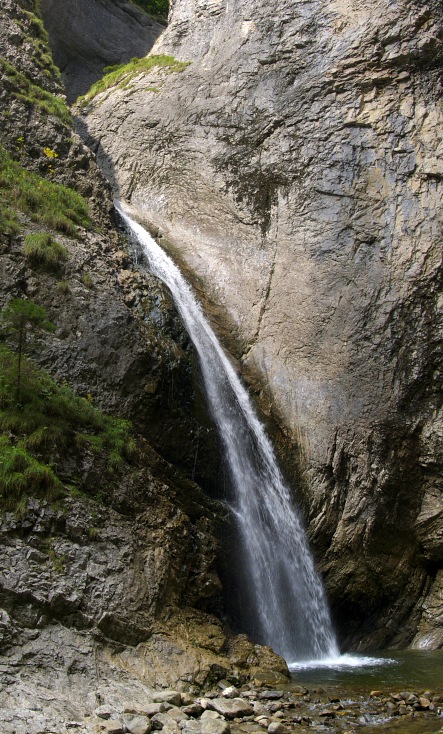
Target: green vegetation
<point>93,533</point>
<point>87,280</point>
<point>121,75</point>
<point>18,320</point>
<point>156,8</point>
<point>39,39</point>
<point>63,286</point>
<point>9,221</point>
<point>48,431</point>
<point>41,250</point>
<point>58,207</point>
<point>22,475</point>
<point>31,94</point>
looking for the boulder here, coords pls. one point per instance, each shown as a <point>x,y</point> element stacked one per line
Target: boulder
<point>232,708</point>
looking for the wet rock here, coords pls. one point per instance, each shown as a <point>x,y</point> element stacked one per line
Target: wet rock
<point>274,707</point>
<point>424,702</point>
<point>271,695</point>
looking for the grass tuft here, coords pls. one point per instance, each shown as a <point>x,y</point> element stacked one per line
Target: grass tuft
<point>49,426</point>
<point>121,75</point>
<point>41,250</point>
<point>30,94</point>
<point>58,207</point>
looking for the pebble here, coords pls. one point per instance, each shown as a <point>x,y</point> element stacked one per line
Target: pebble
<point>271,695</point>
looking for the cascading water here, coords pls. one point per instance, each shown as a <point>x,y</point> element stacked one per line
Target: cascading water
<point>282,590</point>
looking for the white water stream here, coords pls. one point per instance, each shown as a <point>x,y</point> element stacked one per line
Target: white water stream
<point>282,592</point>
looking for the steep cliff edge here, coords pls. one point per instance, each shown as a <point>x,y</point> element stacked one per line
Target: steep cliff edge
<point>295,168</point>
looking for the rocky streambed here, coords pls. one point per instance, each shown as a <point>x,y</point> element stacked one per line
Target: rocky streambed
<point>254,709</point>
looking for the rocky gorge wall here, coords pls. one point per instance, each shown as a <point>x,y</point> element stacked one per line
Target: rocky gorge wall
<point>106,589</point>
<point>294,169</point>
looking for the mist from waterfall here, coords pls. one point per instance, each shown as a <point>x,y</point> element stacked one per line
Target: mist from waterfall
<point>282,598</point>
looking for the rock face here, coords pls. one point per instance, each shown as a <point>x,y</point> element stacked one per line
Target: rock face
<point>106,594</point>
<point>100,34</point>
<point>295,170</point>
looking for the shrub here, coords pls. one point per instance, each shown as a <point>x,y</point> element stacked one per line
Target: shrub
<point>18,320</point>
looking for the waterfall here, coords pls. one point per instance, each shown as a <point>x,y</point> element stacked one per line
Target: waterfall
<point>282,593</point>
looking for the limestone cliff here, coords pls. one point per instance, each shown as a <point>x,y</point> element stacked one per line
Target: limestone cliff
<point>295,168</point>
<point>87,37</point>
<point>105,589</point>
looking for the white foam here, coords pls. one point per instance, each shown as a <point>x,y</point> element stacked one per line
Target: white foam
<point>341,662</point>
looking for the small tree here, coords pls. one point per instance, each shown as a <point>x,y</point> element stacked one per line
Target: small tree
<point>19,319</point>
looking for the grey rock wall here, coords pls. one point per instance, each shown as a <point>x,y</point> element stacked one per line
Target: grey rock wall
<point>295,170</point>
<point>87,35</point>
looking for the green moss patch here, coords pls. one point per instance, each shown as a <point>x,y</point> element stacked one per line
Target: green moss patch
<point>58,207</point>
<point>121,75</point>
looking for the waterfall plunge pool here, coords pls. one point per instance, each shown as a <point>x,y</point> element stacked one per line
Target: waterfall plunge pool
<point>351,678</point>
<point>404,669</point>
